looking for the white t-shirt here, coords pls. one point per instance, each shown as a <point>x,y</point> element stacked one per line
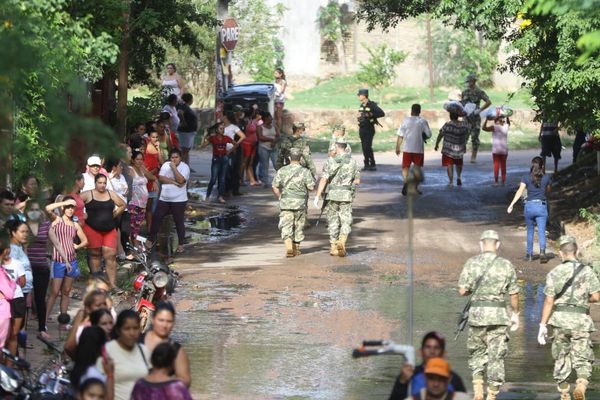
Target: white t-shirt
<point>88,182</point>
<point>119,186</point>
<point>411,130</point>
<point>175,120</point>
<point>129,367</point>
<point>500,139</point>
<point>230,131</point>
<point>170,192</point>
<point>16,270</point>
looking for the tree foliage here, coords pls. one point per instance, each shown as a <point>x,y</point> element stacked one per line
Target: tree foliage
<point>259,50</point>
<point>458,52</point>
<point>46,57</point>
<point>380,71</point>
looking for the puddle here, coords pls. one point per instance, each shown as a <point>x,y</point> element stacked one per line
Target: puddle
<point>275,357</point>
<point>216,227</point>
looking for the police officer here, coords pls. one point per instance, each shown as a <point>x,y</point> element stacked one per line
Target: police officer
<point>290,186</point>
<point>298,141</point>
<point>473,94</point>
<point>488,278</point>
<point>570,287</point>
<point>368,112</point>
<point>342,175</point>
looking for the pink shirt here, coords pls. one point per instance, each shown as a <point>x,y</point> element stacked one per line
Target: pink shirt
<point>7,287</point>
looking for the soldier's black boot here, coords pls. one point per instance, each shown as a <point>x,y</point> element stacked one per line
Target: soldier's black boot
<point>543,257</point>
<point>528,257</point>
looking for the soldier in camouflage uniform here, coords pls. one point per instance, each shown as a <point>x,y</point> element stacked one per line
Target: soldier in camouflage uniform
<point>473,94</point>
<point>488,320</point>
<point>341,177</point>
<point>566,309</point>
<point>297,141</point>
<point>291,186</point>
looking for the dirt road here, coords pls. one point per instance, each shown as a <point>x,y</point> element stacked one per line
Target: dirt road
<point>261,326</point>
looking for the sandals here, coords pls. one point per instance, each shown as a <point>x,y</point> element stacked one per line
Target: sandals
<point>179,250</point>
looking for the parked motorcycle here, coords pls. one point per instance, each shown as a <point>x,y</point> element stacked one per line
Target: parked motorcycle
<point>20,383</point>
<point>155,283</point>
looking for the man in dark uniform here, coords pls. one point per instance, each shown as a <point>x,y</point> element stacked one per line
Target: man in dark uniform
<point>368,112</point>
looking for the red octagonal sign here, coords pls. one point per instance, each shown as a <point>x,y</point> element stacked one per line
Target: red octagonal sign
<point>230,31</point>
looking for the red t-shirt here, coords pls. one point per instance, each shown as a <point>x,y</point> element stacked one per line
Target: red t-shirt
<point>151,162</point>
<point>219,144</point>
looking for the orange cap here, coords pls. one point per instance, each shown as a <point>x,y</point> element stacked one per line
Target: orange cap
<point>438,366</point>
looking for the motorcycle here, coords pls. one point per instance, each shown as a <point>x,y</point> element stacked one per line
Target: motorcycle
<point>155,283</point>
<point>21,384</point>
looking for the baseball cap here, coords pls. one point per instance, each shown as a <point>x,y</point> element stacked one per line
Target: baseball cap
<point>364,92</point>
<point>238,108</point>
<point>489,234</point>
<point>566,239</point>
<point>94,160</point>
<point>438,366</point>
<point>294,151</point>
<point>471,77</point>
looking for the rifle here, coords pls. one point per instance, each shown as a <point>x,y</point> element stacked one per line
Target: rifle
<point>322,210</point>
<point>464,315</point>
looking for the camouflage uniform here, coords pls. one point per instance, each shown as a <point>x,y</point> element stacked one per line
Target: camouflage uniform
<point>488,319</point>
<point>475,96</point>
<point>288,142</point>
<point>572,346</point>
<point>342,170</point>
<point>294,181</point>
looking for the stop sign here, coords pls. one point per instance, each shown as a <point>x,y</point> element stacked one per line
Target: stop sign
<point>230,31</point>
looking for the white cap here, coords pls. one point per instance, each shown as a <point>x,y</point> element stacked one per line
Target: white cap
<point>94,160</point>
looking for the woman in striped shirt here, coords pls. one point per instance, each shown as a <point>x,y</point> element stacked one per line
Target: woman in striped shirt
<point>37,252</point>
<point>62,234</point>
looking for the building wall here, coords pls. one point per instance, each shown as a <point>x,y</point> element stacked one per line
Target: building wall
<point>303,45</point>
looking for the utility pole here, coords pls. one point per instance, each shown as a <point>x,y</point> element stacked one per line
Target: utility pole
<point>221,79</point>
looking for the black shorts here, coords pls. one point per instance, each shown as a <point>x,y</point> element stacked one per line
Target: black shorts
<point>551,146</point>
<point>18,307</point>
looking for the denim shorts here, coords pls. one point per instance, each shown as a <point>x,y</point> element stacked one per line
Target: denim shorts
<point>60,270</point>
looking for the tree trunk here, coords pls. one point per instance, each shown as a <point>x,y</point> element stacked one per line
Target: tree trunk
<point>123,75</point>
<point>429,56</point>
<point>6,132</point>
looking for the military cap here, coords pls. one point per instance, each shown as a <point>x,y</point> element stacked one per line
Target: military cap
<point>298,125</point>
<point>295,152</point>
<point>238,107</point>
<point>471,77</point>
<point>364,92</point>
<point>489,234</point>
<point>566,239</point>
<point>338,127</point>
<point>341,140</point>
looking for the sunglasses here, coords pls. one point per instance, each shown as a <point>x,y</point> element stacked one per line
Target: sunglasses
<point>94,166</point>
<point>69,207</point>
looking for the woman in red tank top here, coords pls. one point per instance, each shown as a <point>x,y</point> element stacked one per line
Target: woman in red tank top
<point>153,159</point>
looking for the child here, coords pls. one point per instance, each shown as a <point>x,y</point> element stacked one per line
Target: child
<point>499,145</point>
<point>280,86</point>
<point>7,290</point>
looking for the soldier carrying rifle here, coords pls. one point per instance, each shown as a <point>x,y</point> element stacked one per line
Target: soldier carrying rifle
<point>488,278</point>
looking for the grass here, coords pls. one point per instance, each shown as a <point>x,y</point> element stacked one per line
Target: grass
<point>386,141</point>
<point>340,93</point>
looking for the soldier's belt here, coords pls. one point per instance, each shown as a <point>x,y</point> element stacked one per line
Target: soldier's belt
<point>572,309</point>
<point>484,303</point>
<point>294,195</point>
<point>340,187</point>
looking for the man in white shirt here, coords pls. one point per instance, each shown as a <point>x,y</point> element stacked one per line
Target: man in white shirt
<point>412,133</point>
<point>173,176</point>
<point>94,165</point>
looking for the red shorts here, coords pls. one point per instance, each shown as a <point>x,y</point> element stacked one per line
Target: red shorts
<point>248,149</point>
<point>446,160</point>
<point>97,239</point>
<point>414,158</point>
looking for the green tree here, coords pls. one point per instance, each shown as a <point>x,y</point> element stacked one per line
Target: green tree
<point>259,50</point>
<point>458,52</point>
<point>381,68</point>
<point>46,57</point>
<point>334,28</point>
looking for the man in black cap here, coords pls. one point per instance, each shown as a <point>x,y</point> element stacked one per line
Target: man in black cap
<point>368,112</point>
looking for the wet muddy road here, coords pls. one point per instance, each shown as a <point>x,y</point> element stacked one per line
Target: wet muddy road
<point>259,326</point>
